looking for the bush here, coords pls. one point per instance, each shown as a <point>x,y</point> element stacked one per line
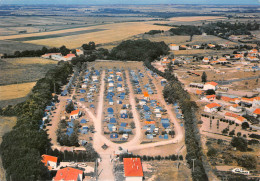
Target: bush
<point>212,152</point>
<point>247,161</point>
<point>240,143</point>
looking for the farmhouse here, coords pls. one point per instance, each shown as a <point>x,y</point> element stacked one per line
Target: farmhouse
<point>210,85</point>
<point>205,60</point>
<point>133,169</point>
<point>68,57</point>
<point>173,47</point>
<point>75,114</point>
<point>213,107</point>
<point>69,174</point>
<point>50,161</point>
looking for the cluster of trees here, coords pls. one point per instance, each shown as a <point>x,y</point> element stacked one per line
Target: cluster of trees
<point>151,158</point>
<point>138,50</point>
<point>185,30</point>
<point>90,155</point>
<point>225,29</point>
<point>240,143</point>
<point>23,146</point>
<point>173,92</point>
<point>153,32</point>
<point>37,53</point>
<point>63,138</point>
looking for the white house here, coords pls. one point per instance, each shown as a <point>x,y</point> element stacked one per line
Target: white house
<point>68,174</point>
<point>79,52</point>
<point>133,170</point>
<point>213,107</point>
<point>50,161</point>
<point>256,101</point>
<point>142,102</point>
<point>205,60</point>
<point>235,108</point>
<point>210,85</point>
<point>174,47</point>
<point>75,114</point>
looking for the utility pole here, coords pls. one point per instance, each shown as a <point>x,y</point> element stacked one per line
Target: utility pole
<point>193,164</point>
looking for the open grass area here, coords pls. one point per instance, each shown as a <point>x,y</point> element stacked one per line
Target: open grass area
<point>14,91</point>
<point>21,70</point>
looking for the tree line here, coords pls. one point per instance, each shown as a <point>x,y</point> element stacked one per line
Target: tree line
<point>21,148</point>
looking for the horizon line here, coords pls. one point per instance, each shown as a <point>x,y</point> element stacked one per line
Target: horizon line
<point>132,4</point>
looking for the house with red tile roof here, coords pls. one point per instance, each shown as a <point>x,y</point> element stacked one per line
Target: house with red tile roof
<point>205,60</point>
<point>79,52</point>
<point>68,174</point>
<point>209,98</point>
<point>256,112</point>
<point>210,85</point>
<point>69,57</point>
<point>75,114</point>
<point>235,117</point>
<point>133,169</point>
<point>50,161</point>
<point>213,107</point>
<point>174,47</point>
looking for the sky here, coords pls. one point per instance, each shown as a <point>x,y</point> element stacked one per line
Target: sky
<point>99,2</point>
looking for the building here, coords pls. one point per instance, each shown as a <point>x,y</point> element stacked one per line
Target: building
<point>75,114</point>
<point>256,101</point>
<point>211,45</point>
<point>209,98</point>
<point>256,113</point>
<point>133,169</point>
<point>50,161</point>
<point>174,47</point>
<point>69,57</point>
<point>235,108</point>
<point>79,52</point>
<point>51,55</point>
<point>210,85</point>
<point>235,117</point>
<point>68,174</point>
<point>213,107</point>
<point>205,60</point>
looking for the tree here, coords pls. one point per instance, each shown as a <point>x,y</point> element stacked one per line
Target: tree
<point>240,143</point>
<point>70,107</point>
<point>132,124</point>
<point>232,133</point>
<point>247,161</point>
<point>245,125</point>
<point>212,152</point>
<point>204,77</point>
<point>210,92</point>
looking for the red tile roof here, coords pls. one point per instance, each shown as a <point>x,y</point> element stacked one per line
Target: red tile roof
<point>133,167</point>
<point>240,118</point>
<point>257,111</point>
<point>212,105</point>
<point>68,174</point>
<point>46,158</point>
<point>211,96</point>
<point>212,83</point>
<point>75,112</point>
<point>227,99</point>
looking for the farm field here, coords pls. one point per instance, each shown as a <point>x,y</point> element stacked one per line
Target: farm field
<point>9,47</point>
<point>112,32</point>
<point>15,91</point>
<point>20,70</point>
